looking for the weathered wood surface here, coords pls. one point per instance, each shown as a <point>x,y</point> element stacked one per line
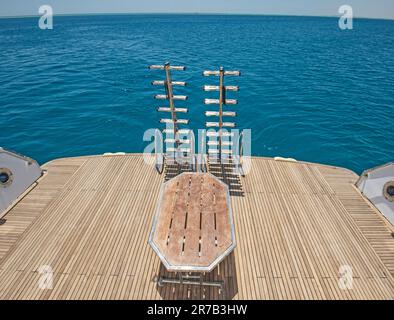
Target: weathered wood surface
<point>193,226</point>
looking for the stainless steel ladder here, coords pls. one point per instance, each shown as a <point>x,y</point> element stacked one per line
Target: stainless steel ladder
<point>181,141</point>
<point>220,143</point>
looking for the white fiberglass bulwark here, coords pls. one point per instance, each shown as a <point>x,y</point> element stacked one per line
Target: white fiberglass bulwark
<point>377,185</point>
<point>17,174</point>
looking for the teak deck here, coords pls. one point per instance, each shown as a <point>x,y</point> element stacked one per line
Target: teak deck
<point>296,224</point>
<point>193,227</point>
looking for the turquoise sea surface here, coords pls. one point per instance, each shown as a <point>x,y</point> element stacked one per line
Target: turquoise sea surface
<point>309,90</point>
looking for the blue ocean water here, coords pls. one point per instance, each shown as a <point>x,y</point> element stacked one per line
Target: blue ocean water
<point>308,90</point>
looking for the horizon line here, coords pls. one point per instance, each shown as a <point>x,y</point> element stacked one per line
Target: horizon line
<point>188,13</point>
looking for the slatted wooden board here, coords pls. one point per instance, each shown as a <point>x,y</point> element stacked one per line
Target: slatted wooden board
<point>296,224</point>
<point>193,228</point>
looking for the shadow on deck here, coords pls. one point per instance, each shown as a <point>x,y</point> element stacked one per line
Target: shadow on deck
<point>226,172</point>
<point>225,272</point>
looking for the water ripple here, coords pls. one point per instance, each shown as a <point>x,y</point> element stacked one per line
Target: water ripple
<point>308,90</point>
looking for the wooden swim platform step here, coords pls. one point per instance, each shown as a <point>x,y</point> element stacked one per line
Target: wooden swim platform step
<point>296,224</point>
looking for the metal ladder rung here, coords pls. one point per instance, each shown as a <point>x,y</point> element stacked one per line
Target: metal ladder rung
<point>211,101</point>
<point>216,143</point>
<point>171,140</point>
<point>232,73</point>
<point>211,73</point>
<point>178,121</point>
<point>231,101</point>
<point>216,134</point>
<point>216,151</point>
<point>224,124</point>
<point>216,113</point>
<point>174,83</point>
<point>212,124</point>
<point>217,101</point>
<point>165,109</point>
<point>174,150</point>
<point>216,88</point>
<point>164,97</point>
<point>161,67</point>
<point>217,73</point>
<point>182,131</point>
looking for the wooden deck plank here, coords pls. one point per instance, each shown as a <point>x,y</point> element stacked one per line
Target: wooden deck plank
<point>296,224</point>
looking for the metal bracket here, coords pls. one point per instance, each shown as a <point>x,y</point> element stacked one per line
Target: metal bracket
<point>189,279</point>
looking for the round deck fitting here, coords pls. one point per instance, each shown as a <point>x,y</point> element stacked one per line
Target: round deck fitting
<point>5,177</point>
<point>388,191</point>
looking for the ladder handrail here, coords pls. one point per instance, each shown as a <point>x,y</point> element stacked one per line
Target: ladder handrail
<point>170,97</point>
